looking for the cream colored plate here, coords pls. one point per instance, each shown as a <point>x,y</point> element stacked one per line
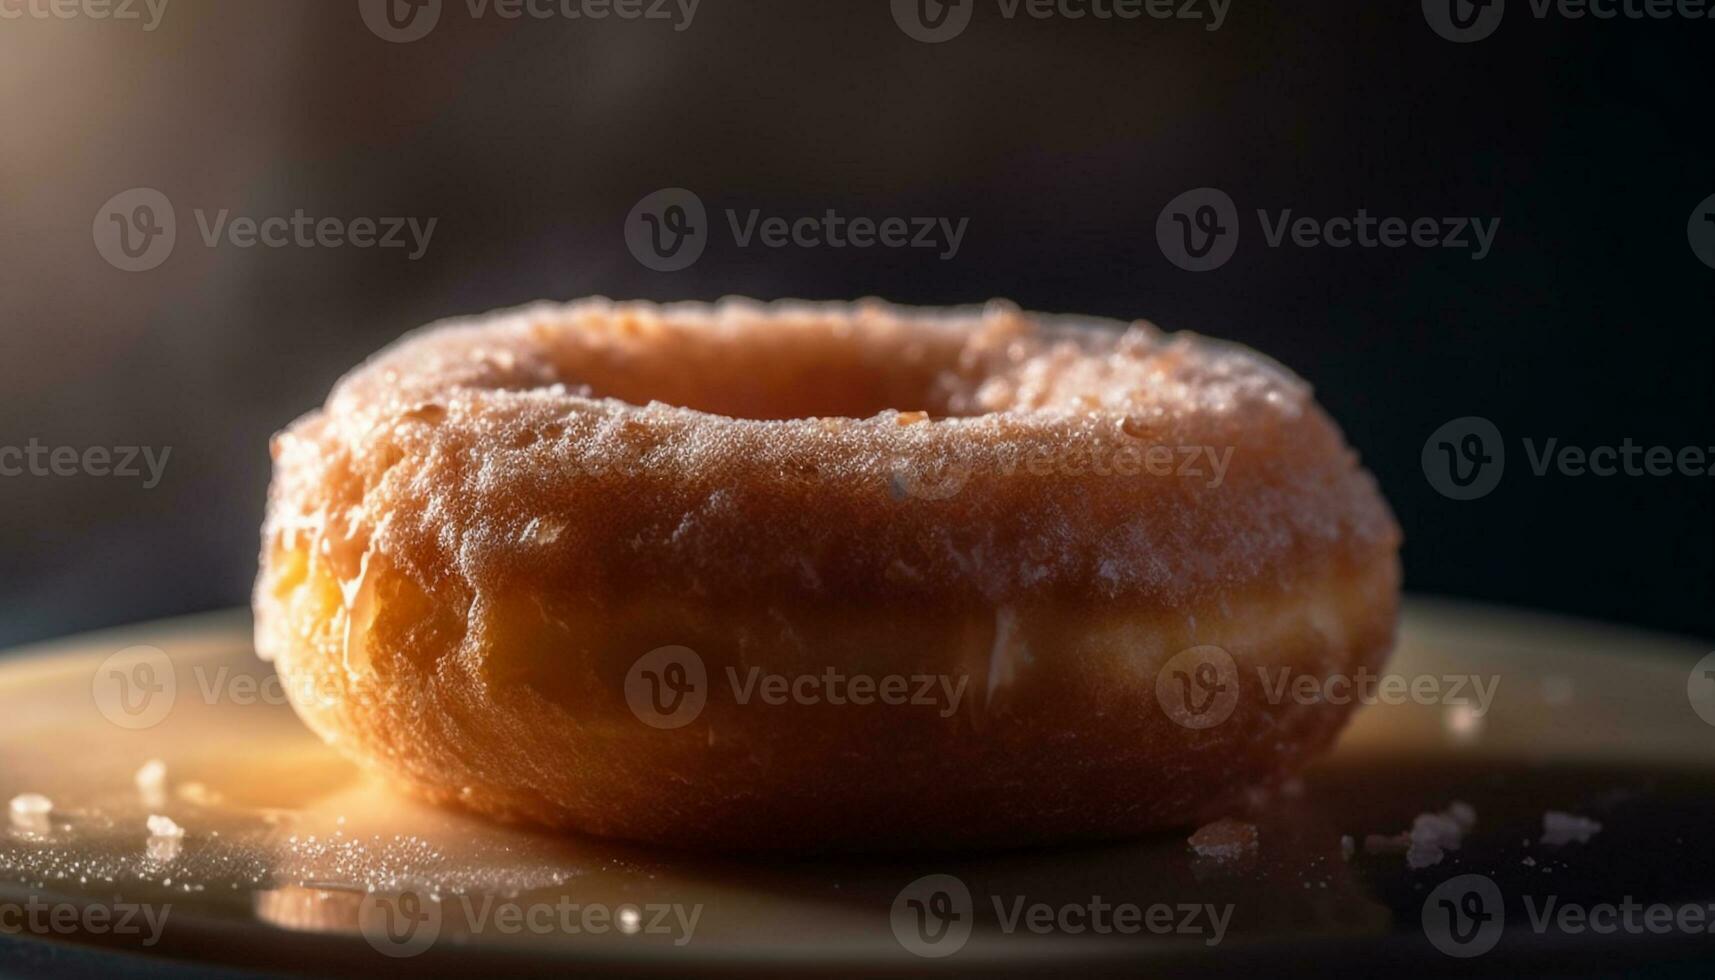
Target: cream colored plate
<point>293,860</point>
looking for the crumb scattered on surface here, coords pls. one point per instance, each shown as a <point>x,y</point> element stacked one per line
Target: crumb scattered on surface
<point>1224,840</point>
<point>164,850</point>
<point>1560,828</point>
<point>29,812</point>
<point>160,826</point>
<point>1431,836</point>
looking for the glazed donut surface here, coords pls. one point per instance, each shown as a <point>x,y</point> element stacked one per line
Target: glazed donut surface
<point>471,547</point>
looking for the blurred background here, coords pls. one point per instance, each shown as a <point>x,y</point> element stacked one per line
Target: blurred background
<point>1061,140</point>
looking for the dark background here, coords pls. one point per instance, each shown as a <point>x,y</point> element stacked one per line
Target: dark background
<point>1060,140</point>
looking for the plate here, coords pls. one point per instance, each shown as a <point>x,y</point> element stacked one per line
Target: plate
<point>1571,760</point>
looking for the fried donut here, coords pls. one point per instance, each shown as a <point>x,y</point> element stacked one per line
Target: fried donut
<point>822,576</point>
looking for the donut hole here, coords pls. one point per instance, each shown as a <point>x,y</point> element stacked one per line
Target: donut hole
<point>813,369</point>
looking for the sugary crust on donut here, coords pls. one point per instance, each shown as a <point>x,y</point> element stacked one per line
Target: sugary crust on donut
<point>475,455</point>
<point>491,520</point>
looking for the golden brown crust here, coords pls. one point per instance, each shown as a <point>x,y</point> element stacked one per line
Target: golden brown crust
<point>489,523</point>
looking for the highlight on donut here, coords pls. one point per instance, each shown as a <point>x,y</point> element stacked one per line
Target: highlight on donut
<point>830,576</point>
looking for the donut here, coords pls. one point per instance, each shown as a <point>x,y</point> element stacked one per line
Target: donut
<point>822,577</point>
